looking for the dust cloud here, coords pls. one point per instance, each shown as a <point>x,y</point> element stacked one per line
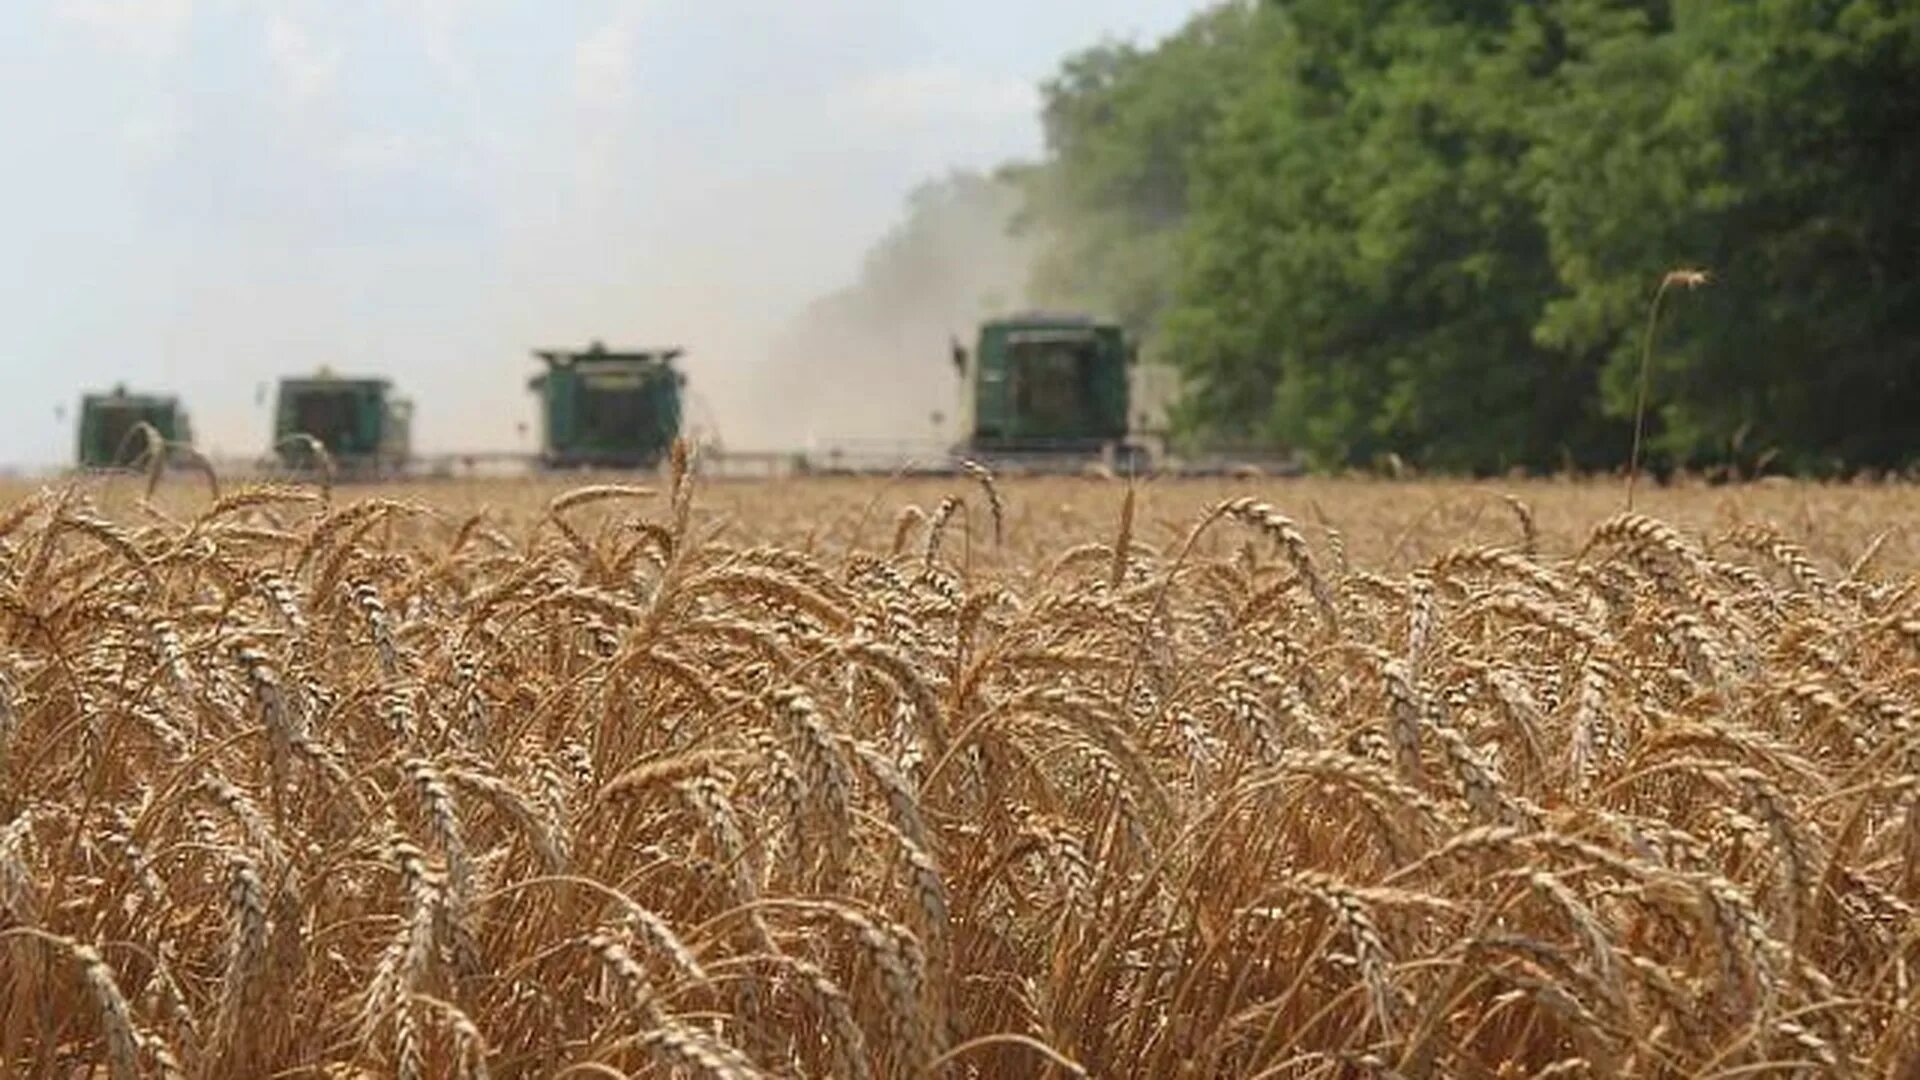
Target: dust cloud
<point>869,363</point>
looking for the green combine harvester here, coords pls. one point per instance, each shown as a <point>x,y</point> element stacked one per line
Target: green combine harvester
<point>108,426</point>
<point>367,431</point>
<point>610,410</point>
<point>1047,391</point>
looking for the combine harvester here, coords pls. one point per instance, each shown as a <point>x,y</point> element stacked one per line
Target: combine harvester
<point>366,430</point>
<point>622,410</point>
<point>1048,393</point>
<point>1044,393</point>
<point>607,410</point>
<point>1040,393</point>
<point>110,428</point>
<point>598,409</point>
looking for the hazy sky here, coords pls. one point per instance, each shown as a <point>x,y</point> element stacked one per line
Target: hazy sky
<point>201,195</point>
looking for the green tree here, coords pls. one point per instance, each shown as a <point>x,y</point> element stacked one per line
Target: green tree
<point>1433,228</point>
<point>1364,263</point>
<point>1111,198</point>
<point>1773,142</point>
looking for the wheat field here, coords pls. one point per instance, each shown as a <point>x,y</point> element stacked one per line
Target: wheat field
<point>959,778</point>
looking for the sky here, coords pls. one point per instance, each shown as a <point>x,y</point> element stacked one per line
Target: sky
<point>200,196</point>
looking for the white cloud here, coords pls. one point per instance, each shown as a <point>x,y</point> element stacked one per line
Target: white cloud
<point>603,60</point>
<point>305,68</point>
<point>438,23</point>
<point>942,93</point>
<point>379,151</point>
<point>155,128</point>
<point>603,84</point>
<point>149,28</point>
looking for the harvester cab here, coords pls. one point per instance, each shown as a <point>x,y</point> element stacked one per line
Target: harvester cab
<point>364,427</point>
<point>602,409</point>
<point>109,426</point>
<point>1046,389</point>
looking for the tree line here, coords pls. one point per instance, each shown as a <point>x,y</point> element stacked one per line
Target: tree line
<point>1434,229</point>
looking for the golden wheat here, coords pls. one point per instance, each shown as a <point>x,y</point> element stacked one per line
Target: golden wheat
<point>504,780</point>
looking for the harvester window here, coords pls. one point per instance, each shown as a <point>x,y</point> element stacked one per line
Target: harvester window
<point>332,416</point>
<point>116,431</point>
<point>1051,384</point>
<point>616,415</point>
<point>111,436</point>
